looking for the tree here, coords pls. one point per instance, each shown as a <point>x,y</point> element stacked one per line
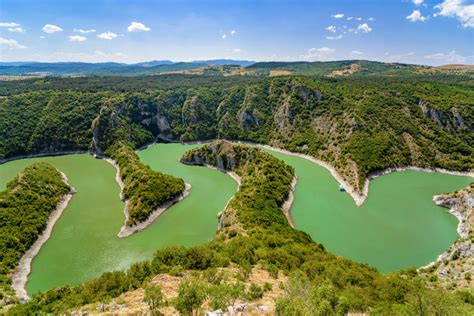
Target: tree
<point>225,294</point>
<point>191,295</point>
<point>154,298</point>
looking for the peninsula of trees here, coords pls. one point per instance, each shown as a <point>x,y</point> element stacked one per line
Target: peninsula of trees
<point>25,207</point>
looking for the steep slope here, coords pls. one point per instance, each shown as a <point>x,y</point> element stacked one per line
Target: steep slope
<point>358,126</point>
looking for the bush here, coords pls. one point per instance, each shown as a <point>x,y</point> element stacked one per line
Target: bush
<point>154,298</point>
<point>191,294</point>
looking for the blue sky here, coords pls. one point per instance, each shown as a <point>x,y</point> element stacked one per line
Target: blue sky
<point>415,31</point>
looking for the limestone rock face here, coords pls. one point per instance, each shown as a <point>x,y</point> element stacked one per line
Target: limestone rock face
<point>448,119</point>
<point>222,156</point>
<point>248,120</point>
<point>456,262</point>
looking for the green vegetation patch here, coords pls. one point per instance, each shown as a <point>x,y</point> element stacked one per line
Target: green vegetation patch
<point>25,207</point>
<point>265,182</point>
<point>144,188</point>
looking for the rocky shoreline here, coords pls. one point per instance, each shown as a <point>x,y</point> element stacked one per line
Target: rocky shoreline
<point>126,230</point>
<point>286,206</point>
<point>377,174</point>
<point>358,197</point>
<point>23,269</point>
<point>461,205</point>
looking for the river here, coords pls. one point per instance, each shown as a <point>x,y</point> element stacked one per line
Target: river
<point>397,227</point>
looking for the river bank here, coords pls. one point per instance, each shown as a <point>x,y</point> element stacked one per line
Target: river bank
<point>126,230</point>
<point>456,262</point>
<point>286,207</point>
<point>20,276</point>
<point>358,197</point>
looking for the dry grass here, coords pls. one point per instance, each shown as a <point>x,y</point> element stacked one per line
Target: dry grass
<point>131,303</point>
<point>275,73</point>
<point>353,68</point>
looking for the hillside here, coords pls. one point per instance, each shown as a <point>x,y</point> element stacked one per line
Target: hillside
<point>109,69</point>
<point>318,68</point>
<point>220,67</point>
<point>359,126</point>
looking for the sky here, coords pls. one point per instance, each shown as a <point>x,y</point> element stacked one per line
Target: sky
<point>431,32</point>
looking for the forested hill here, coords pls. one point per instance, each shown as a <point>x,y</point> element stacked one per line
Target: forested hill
<point>357,125</point>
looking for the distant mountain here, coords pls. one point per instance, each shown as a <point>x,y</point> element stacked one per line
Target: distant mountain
<point>110,68</point>
<point>152,63</point>
<point>333,68</point>
<point>222,62</point>
<point>215,67</point>
<point>15,63</point>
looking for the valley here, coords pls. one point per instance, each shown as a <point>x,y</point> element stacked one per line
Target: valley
<point>378,233</point>
<point>304,203</point>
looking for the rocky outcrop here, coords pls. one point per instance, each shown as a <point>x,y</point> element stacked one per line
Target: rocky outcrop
<point>283,117</point>
<point>223,157</point>
<point>248,120</point>
<point>447,119</point>
<point>307,94</point>
<point>457,263</point>
<point>458,120</point>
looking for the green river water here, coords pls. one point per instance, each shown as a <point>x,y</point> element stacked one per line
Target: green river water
<point>397,227</point>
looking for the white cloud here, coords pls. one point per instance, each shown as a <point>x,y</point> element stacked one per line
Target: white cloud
<point>84,31</point>
<point>77,38</point>
<point>416,16</point>
<point>233,32</point>
<point>331,28</point>
<point>338,16</point>
<point>236,50</point>
<point>50,28</point>
<point>224,36</point>
<point>42,36</point>
<point>456,8</point>
<point>10,43</point>
<point>371,19</point>
<point>417,2</point>
<point>107,35</point>
<point>350,18</point>
<point>9,24</point>
<point>334,37</point>
<point>448,58</point>
<point>321,53</point>
<point>16,29</point>
<point>138,27</point>
<point>358,19</point>
<point>364,28</point>
<point>356,53</point>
